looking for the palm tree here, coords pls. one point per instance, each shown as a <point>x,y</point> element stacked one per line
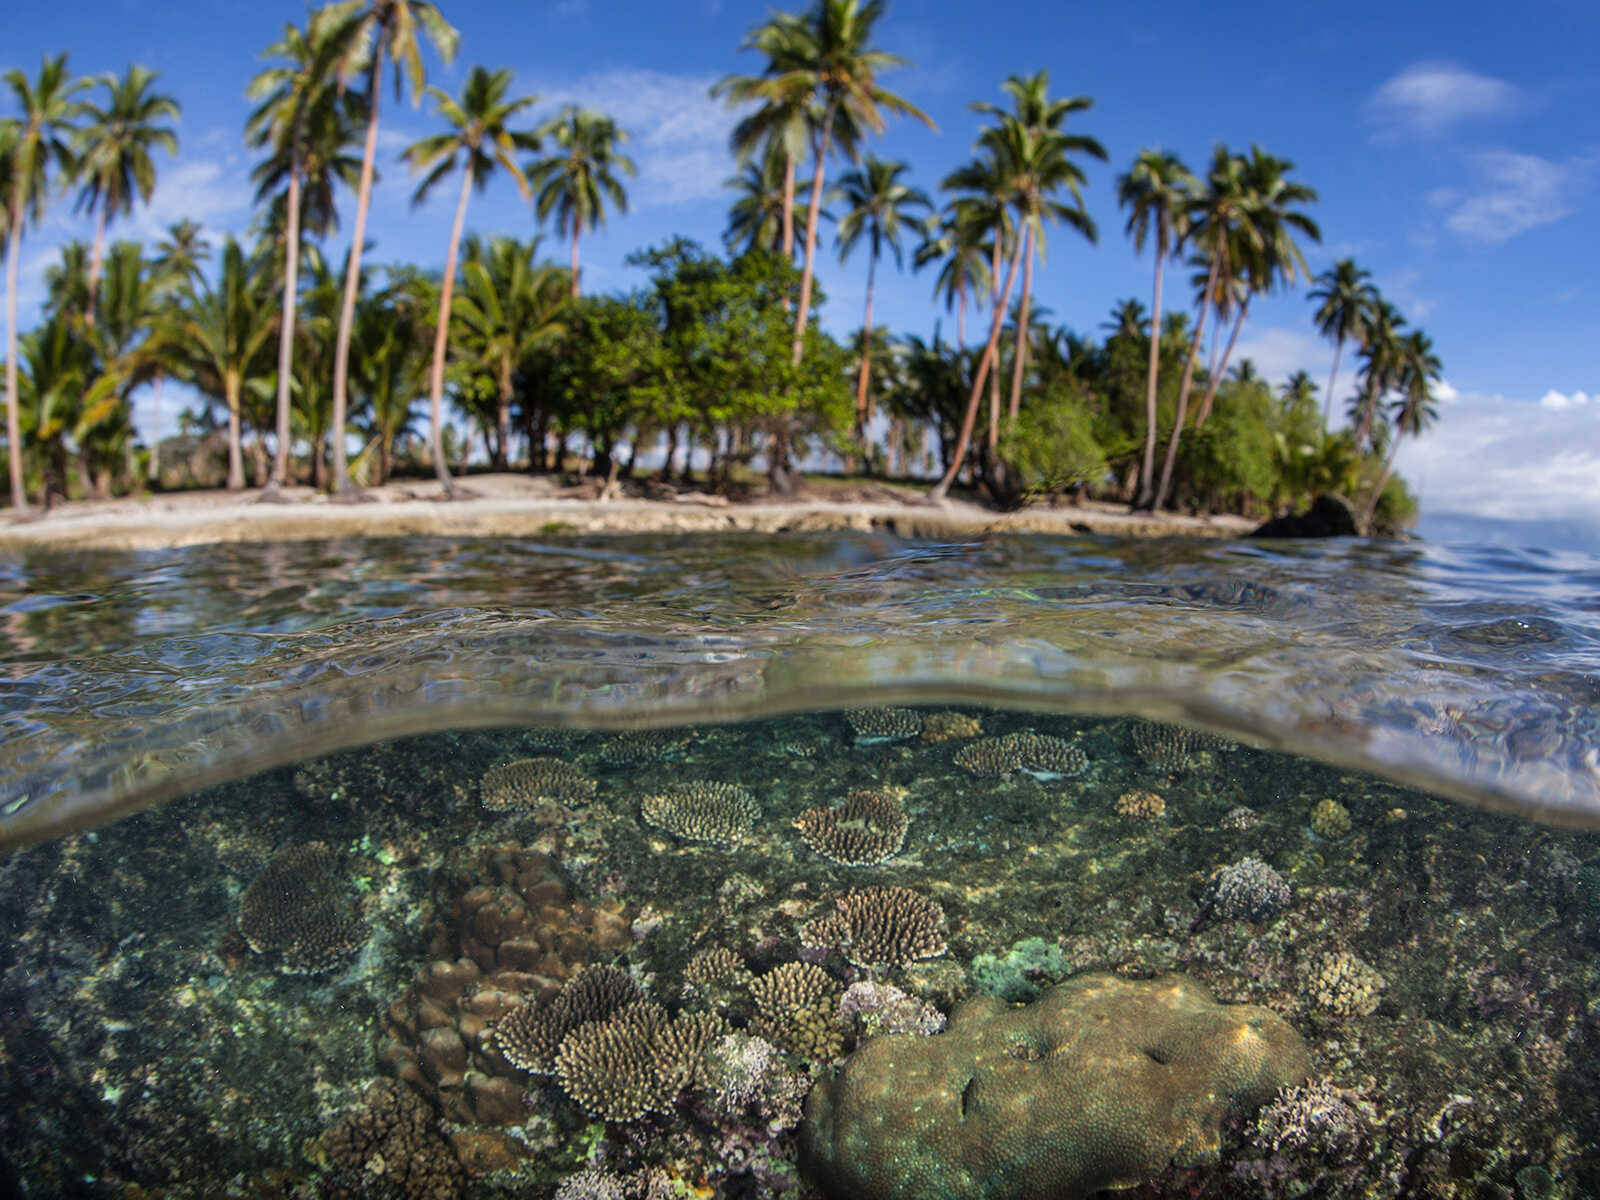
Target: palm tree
<point>1383,353</point>
<point>757,216</point>
<point>823,63</point>
<point>1299,391</point>
<point>392,29</point>
<point>509,306</point>
<point>1045,169</point>
<point>114,146</point>
<point>577,179</point>
<point>305,123</point>
<point>1345,298</point>
<point>1128,320</point>
<point>60,372</point>
<point>129,342</point>
<point>1158,191</point>
<point>1417,371</point>
<point>392,363</point>
<point>478,139</point>
<point>177,262</point>
<point>779,127</point>
<point>222,330</point>
<point>879,206</point>
<point>957,245</point>
<point>34,143</point>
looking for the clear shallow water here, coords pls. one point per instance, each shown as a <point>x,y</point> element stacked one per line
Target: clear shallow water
<point>128,678</point>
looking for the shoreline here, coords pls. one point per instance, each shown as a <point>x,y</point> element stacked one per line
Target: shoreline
<point>517,506</point>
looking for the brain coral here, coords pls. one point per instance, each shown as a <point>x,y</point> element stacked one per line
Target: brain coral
<point>866,828</point>
<point>298,910</point>
<point>720,813</point>
<point>1101,1083</point>
<point>529,782</point>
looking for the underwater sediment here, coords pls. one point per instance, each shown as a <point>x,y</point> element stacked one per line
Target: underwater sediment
<point>429,969</point>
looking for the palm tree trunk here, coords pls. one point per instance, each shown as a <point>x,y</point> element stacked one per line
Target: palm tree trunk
<point>1147,467</point>
<point>990,353</point>
<point>19,498</point>
<point>1383,482</point>
<point>441,340</point>
<point>813,216</point>
<point>503,418</point>
<point>577,226</point>
<point>994,382</point>
<point>291,296</point>
<point>155,435</point>
<point>1020,367</point>
<point>862,376</point>
<point>788,208</point>
<point>230,387</point>
<point>352,281</point>
<point>1216,377</point>
<point>1327,400</point>
<point>1183,388</point>
<point>97,258</point>
<point>1368,407</point>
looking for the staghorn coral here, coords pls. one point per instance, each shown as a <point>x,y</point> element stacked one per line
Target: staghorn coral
<point>298,911</point>
<point>635,1062</point>
<point>1140,806</point>
<point>1171,749</point>
<point>879,927</point>
<point>391,1145</point>
<point>1248,890</point>
<point>634,746</point>
<point>714,965</point>
<point>1037,754</point>
<point>870,1009</point>
<point>883,724</point>
<point>1330,819</point>
<point>530,1036</point>
<point>949,726</point>
<point>530,782</point>
<point>719,813</point>
<point>1345,985</point>
<point>795,1010</point>
<point>867,828</point>
<point>1100,1083</point>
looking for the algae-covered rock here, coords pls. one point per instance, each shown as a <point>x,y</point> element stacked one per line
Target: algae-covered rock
<point>1100,1083</point>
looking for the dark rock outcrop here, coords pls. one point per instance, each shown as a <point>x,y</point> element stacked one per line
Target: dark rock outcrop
<point>1328,516</point>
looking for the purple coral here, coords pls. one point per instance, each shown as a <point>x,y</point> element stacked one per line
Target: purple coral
<point>873,1008</point>
<point>1248,889</point>
<point>744,1073</point>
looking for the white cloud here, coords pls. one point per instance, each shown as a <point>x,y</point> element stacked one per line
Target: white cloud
<point>1428,98</point>
<point>1515,193</point>
<point>1278,353</point>
<point>678,134</point>
<point>215,193</point>
<point>1559,400</point>
<point>1493,456</point>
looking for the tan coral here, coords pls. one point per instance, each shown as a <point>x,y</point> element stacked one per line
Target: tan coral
<point>635,1062</point>
<point>949,726</point>
<point>634,746</point>
<point>1140,806</point>
<point>1345,985</point>
<point>531,1035</point>
<point>879,926</point>
<point>392,1143</point>
<point>298,911</point>
<point>1330,819</point>
<point>883,724</point>
<point>530,782</point>
<point>719,813</point>
<point>796,1010</point>
<point>866,828</point>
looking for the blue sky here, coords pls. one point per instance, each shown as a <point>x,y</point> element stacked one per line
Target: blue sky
<point>1454,149</point>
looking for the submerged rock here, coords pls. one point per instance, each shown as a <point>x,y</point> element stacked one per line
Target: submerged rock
<point>1101,1083</point>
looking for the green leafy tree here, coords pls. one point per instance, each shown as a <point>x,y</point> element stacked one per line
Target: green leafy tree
<point>370,33</point>
<point>1157,191</point>
<point>36,144</point>
<point>580,176</point>
<point>115,143</point>
<point>878,207</point>
<point>478,139</point>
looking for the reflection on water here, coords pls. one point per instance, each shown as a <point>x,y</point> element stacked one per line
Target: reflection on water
<point>909,952</point>
<point>130,678</point>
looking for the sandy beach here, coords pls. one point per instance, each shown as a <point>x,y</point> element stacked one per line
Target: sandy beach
<point>512,505</point>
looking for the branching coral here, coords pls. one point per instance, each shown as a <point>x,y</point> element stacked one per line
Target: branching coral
<point>795,1010</point>
<point>1037,754</point>
<point>298,910</point>
<point>883,724</point>
<point>635,1062</point>
<point>879,926</point>
<point>392,1142</point>
<point>530,1036</point>
<point>868,827</point>
<point>530,782</point>
<point>719,813</point>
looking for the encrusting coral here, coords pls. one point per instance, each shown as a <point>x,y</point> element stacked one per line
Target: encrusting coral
<point>883,724</point>
<point>1345,985</point>
<point>298,911</point>
<point>1330,819</point>
<point>530,782</point>
<point>1037,754</point>
<point>719,813</point>
<point>879,926</point>
<point>1100,1083</point>
<point>866,828</point>
<point>391,1145</point>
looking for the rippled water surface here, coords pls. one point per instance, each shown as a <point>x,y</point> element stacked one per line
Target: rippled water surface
<point>133,677</point>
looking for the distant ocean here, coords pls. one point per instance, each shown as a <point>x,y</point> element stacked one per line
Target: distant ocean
<point>1533,533</point>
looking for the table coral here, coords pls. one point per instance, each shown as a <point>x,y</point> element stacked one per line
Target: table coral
<point>299,912</point>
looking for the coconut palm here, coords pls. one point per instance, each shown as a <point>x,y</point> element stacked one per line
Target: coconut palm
<point>130,341</point>
<point>1299,391</point>
<point>824,64</point>
<point>1416,372</point>
<point>370,32</point>
<point>878,207</point>
<point>222,330</point>
<point>479,139</point>
<point>114,147</point>
<point>1128,320</point>
<point>392,339</point>
<point>37,144</point>
<point>757,217</point>
<point>1382,355</point>
<point>779,128</point>
<point>306,124</point>
<point>59,372</point>
<point>177,261</point>
<point>1345,297</point>
<point>1157,190</point>
<point>1043,170</point>
<point>580,175</point>
<point>509,306</point>
<point>957,245</point>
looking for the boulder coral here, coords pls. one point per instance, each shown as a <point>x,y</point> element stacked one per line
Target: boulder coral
<point>1101,1083</point>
